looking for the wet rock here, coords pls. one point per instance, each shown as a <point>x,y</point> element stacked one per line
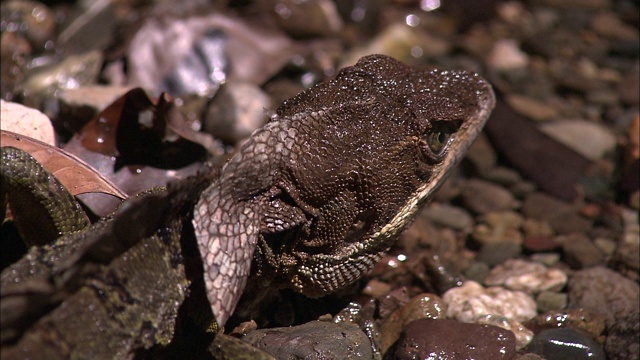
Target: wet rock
<point>562,344</point>
<point>604,292</point>
<point>315,339</point>
<point>376,288</point>
<point>441,274</point>
<point>623,338</point>
<point>561,216</point>
<point>302,19</point>
<point>452,339</point>
<point>471,300</point>
<point>549,300</point>
<point>392,301</point>
<point>530,277</point>
<point>483,197</point>
<point>587,138</point>
<point>236,111</point>
<point>522,334</point>
<point>26,121</point>
<point>449,216</point>
<point>580,252</point>
<point>497,253</point>
<point>423,306</point>
<point>392,270</point>
<point>532,108</point>
<point>351,313</point>
<point>577,319</point>
<point>499,227</point>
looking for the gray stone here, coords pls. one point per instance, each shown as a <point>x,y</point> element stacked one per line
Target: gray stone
<point>502,175</point>
<point>623,338</point>
<point>449,216</point>
<point>605,292</point>
<point>580,252</point>
<point>482,197</point>
<point>313,340</point>
<point>496,253</point>
<point>499,227</point>
<point>562,344</point>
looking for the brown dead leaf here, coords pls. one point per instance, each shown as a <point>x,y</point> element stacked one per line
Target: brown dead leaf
<point>138,143</point>
<point>73,173</point>
<point>140,131</point>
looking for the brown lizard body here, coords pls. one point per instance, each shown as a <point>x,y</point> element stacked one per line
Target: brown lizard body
<point>324,188</point>
<point>310,202</point>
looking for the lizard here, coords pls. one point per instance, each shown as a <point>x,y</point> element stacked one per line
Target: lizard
<point>316,197</point>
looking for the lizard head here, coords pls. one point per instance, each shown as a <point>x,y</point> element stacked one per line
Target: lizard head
<point>424,122</point>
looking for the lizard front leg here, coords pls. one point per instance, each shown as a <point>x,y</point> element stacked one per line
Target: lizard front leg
<point>227,233</point>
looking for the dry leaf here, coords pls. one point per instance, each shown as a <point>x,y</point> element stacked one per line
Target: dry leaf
<point>73,173</point>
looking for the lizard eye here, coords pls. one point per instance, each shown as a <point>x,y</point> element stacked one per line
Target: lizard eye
<point>437,140</point>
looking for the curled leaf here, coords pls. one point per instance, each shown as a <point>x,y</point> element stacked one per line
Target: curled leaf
<point>73,173</point>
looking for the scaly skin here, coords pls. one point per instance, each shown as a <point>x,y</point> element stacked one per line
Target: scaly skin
<point>310,202</point>
<point>323,190</point>
<point>35,192</point>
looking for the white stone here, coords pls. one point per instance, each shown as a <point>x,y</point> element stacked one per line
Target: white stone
<point>587,138</point>
<point>471,300</point>
<point>528,276</point>
<point>506,55</point>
